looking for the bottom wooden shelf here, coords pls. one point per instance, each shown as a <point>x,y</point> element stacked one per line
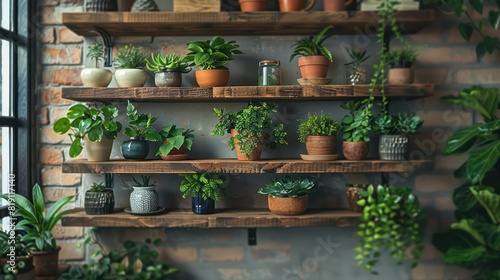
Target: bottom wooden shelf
<point>224,218</point>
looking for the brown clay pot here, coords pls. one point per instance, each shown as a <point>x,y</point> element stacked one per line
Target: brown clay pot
<point>295,5</point>
<point>336,5</point>
<point>253,5</point>
<point>400,76</point>
<point>175,154</point>
<point>46,263</point>
<point>288,205</point>
<point>254,155</point>
<point>314,66</point>
<point>320,145</point>
<point>212,78</point>
<point>355,150</point>
<point>353,192</point>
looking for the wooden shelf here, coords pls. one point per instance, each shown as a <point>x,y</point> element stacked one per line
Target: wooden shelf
<point>286,166</point>
<point>235,23</point>
<point>244,93</point>
<point>224,218</point>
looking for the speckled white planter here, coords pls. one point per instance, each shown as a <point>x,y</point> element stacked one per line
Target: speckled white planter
<point>130,77</point>
<point>143,200</point>
<point>96,77</point>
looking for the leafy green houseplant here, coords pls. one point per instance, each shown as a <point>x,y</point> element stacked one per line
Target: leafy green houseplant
<point>205,189</point>
<point>140,130</point>
<point>38,226</point>
<point>318,133</point>
<point>391,221</point>
<point>288,195</point>
<point>355,70</point>
<point>400,62</point>
<point>175,142</point>
<point>313,52</point>
<point>212,55</point>
<point>355,129</point>
<point>168,69</point>
<point>144,198</point>
<point>250,129</point>
<point>15,256</point>
<point>472,242</point>
<point>129,63</point>
<point>99,200</point>
<point>96,77</point>
<point>89,126</point>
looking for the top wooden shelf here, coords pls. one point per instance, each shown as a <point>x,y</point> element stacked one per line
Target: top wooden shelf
<point>235,23</point>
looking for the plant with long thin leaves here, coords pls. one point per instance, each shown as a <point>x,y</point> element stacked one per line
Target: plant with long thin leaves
<point>313,45</point>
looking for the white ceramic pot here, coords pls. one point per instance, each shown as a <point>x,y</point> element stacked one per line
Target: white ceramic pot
<point>144,200</point>
<point>96,77</point>
<point>130,77</point>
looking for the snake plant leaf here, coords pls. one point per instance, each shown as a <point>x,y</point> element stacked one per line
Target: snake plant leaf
<point>490,201</point>
<point>482,161</point>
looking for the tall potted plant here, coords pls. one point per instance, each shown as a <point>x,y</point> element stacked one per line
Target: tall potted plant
<point>129,63</point>
<point>96,77</point>
<point>400,62</point>
<point>355,129</point>
<point>211,56</point>
<point>288,195</point>
<point>251,128</point>
<point>318,133</point>
<point>92,128</point>
<point>38,225</point>
<point>205,189</point>
<point>168,69</point>
<point>315,58</point>
<point>175,143</point>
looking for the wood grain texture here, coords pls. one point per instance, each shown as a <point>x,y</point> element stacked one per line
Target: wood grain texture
<point>197,5</point>
<point>243,93</point>
<point>286,166</point>
<point>224,218</point>
<point>236,23</point>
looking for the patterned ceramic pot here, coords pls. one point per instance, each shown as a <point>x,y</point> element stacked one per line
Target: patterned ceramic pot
<point>144,200</point>
<point>99,203</point>
<point>393,147</point>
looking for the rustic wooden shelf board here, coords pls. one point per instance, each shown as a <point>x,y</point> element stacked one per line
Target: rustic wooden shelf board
<point>224,218</point>
<point>235,166</point>
<point>236,23</point>
<point>244,93</point>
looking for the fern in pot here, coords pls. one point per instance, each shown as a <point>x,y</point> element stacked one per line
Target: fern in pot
<point>129,63</point>
<point>99,200</point>
<point>400,62</point>
<point>205,189</point>
<point>95,76</point>
<point>288,195</point>
<point>168,69</point>
<point>318,133</point>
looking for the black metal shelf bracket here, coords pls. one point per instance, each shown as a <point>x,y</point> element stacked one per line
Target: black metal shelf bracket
<point>252,236</point>
<point>108,43</point>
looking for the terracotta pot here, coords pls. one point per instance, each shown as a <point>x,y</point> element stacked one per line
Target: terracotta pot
<point>254,155</point>
<point>353,193</point>
<point>253,5</point>
<point>400,76</point>
<point>98,151</point>
<point>288,205</point>
<point>320,145</point>
<point>96,77</point>
<point>212,78</point>
<point>314,66</point>
<point>130,77</point>
<point>355,150</point>
<point>336,5</point>
<point>295,5</point>
<point>175,154</point>
<point>46,263</point>
<point>393,147</point>
<point>99,203</point>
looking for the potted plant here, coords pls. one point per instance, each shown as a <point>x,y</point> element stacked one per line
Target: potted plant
<point>355,129</point>
<point>318,133</point>
<point>38,225</point>
<point>175,142</point>
<point>253,5</point>
<point>92,128</point>
<point>99,200</point>
<point>144,198</point>
<point>394,131</point>
<point>250,129</point>
<point>16,261</point>
<point>288,195</point>
<point>96,77</point>
<point>211,56</point>
<point>353,193</point>
<point>400,62</point>
<point>129,63</point>
<point>392,220</point>
<point>315,58</point>
<point>355,70</point>
<point>205,189</point>
<point>168,69</point>
<point>140,131</point>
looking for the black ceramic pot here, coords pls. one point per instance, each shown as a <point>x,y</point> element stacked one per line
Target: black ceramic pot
<point>202,206</point>
<point>100,5</point>
<point>135,149</point>
<point>393,147</point>
<point>99,203</point>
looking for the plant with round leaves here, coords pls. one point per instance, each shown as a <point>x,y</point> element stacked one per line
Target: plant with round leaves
<point>212,54</point>
<point>96,53</point>
<point>83,121</point>
<point>210,185</point>
<point>391,221</point>
<point>313,45</point>
<point>357,125</point>
<point>140,125</point>
<point>317,125</point>
<point>129,57</point>
<point>170,62</point>
<point>288,187</point>
<point>175,138</point>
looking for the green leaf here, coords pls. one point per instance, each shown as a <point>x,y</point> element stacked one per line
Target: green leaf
<point>480,162</point>
<point>494,18</point>
<point>491,203</point>
<point>95,134</point>
<point>463,255</point>
<point>76,111</point>
<point>466,30</point>
<point>477,5</point>
<point>463,198</point>
<point>61,126</point>
<point>480,50</point>
<point>468,226</point>
<point>76,148</point>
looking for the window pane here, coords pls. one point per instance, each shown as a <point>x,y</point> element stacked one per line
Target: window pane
<point>5,79</point>
<point>5,14</point>
<point>6,174</point>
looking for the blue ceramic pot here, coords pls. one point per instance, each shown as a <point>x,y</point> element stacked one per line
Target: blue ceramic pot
<point>202,206</point>
<point>135,149</point>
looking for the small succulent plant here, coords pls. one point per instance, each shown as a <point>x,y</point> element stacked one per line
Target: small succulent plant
<point>169,62</point>
<point>288,187</point>
<point>97,187</point>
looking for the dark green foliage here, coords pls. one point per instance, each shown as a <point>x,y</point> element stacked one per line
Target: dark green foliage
<point>403,58</point>
<point>317,125</point>
<point>358,56</point>
<point>171,62</point>
<point>357,125</point>
<point>404,123</point>
<point>97,187</point>
<point>177,138</point>
<point>288,187</point>
<point>391,221</point>
<point>96,53</point>
<point>93,122</point>
<point>252,124</point>
<point>210,185</point>
<point>145,182</point>
<point>129,57</point>
<point>140,125</point>
<point>212,54</point>
<point>313,45</point>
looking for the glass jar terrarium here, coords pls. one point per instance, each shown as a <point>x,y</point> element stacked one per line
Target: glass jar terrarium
<point>355,74</point>
<point>269,72</point>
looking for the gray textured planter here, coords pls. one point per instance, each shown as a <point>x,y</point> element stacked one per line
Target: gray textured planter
<point>99,203</point>
<point>393,147</point>
<point>168,79</point>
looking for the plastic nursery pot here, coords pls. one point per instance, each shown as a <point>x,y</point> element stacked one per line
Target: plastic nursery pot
<point>355,150</point>
<point>202,206</point>
<point>320,145</point>
<point>135,149</point>
<point>288,205</point>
